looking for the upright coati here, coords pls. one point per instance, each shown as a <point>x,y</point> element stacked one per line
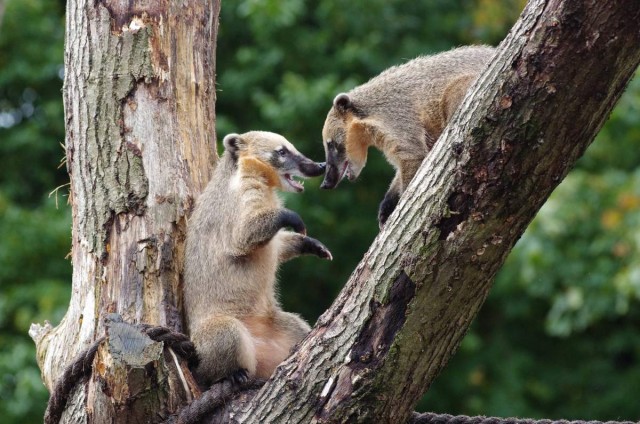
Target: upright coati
<point>235,241</point>
<point>402,112</point>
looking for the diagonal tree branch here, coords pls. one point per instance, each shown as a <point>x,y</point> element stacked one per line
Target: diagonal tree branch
<point>410,301</point>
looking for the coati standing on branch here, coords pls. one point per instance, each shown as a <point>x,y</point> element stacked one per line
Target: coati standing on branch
<point>402,112</point>
<point>236,239</point>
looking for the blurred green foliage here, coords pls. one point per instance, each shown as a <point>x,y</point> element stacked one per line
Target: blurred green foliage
<point>34,232</point>
<point>558,335</point>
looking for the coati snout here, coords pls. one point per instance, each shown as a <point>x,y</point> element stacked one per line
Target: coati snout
<point>277,156</point>
<point>336,164</point>
<point>344,142</point>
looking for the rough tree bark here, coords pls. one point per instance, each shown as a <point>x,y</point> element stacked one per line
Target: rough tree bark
<point>139,96</point>
<point>405,310</point>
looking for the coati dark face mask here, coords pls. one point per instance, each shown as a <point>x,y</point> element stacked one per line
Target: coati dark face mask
<point>337,164</point>
<point>290,163</point>
<point>342,160</point>
<point>277,155</point>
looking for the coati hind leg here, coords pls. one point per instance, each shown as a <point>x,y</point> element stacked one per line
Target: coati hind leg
<point>292,245</point>
<point>274,336</point>
<point>292,325</point>
<point>225,348</point>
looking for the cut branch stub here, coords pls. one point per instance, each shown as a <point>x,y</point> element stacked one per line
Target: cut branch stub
<point>133,376</point>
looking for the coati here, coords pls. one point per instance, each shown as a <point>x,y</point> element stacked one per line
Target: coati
<point>402,112</point>
<point>236,239</point>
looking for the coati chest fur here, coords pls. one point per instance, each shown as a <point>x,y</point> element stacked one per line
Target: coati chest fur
<point>236,238</point>
<point>401,112</point>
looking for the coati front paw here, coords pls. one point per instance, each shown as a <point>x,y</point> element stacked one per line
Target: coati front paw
<point>289,219</point>
<point>239,377</point>
<point>387,207</point>
<point>312,246</point>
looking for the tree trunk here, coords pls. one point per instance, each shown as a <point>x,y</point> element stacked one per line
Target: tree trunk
<point>405,310</point>
<point>139,97</point>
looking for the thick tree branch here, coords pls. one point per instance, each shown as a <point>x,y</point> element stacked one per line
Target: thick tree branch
<point>412,298</point>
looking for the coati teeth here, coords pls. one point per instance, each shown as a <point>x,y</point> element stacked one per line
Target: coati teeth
<point>298,185</point>
<point>344,170</point>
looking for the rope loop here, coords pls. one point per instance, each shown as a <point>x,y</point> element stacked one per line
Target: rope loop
<point>81,367</point>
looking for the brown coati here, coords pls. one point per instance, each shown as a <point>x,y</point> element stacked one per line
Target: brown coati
<point>402,112</point>
<point>236,239</point>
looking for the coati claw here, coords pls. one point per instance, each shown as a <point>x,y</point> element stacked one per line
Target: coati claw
<point>239,377</point>
<point>312,246</point>
<point>387,207</point>
<point>324,253</point>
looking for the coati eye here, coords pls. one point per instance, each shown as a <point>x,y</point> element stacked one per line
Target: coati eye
<point>282,151</point>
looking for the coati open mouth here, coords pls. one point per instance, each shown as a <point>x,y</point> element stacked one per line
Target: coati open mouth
<point>295,185</point>
<point>348,171</point>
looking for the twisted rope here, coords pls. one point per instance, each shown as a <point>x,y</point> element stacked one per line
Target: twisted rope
<point>431,418</point>
<point>179,342</point>
<point>79,369</point>
<point>218,394</point>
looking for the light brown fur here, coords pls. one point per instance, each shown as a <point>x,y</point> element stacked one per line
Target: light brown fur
<point>263,173</point>
<point>358,140</point>
<point>273,343</point>
<point>401,112</point>
<point>235,242</point>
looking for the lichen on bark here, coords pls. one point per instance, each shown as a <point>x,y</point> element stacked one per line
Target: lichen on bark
<point>109,169</point>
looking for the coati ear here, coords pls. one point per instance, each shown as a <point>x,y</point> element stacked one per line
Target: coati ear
<point>343,103</point>
<point>234,142</point>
